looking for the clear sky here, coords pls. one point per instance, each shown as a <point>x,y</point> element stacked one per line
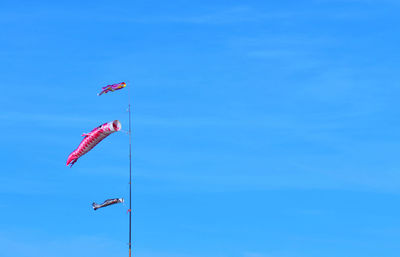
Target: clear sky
<point>261,128</point>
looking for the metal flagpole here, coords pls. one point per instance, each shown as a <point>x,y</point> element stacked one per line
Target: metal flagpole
<point>130,174</point>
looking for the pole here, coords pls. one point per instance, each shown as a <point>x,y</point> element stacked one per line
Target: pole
<point>130,176</point>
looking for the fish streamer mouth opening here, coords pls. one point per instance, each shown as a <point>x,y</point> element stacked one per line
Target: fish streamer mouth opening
<point>116,125</point>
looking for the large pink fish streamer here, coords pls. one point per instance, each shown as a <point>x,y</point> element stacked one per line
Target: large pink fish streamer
<point>92,139</point>
<point>112,88</point>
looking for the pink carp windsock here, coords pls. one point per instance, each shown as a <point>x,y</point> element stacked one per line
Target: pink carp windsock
<point>112,88</point>
<point>92,139</point>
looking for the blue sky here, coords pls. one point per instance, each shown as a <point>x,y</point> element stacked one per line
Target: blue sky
<point>260,128</point>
